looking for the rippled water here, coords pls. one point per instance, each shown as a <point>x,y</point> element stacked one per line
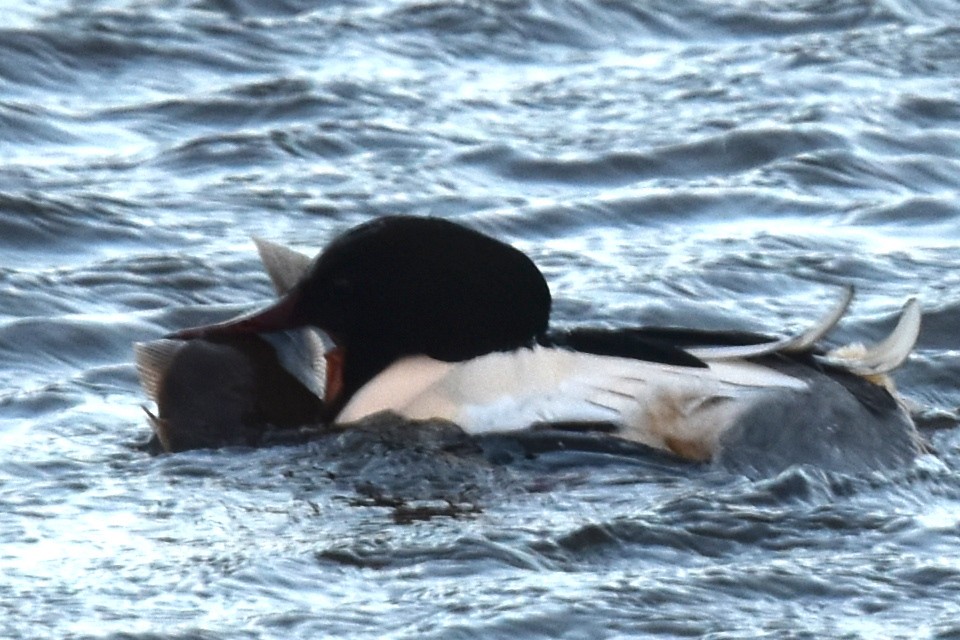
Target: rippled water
<point>709,163</point>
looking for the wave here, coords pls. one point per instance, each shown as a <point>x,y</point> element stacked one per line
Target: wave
<point>731,152</point>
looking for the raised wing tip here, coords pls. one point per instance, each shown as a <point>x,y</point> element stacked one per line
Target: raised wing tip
<point>826,324</point>
<point>790,344</point>
<point>284,265</point>
<point>886,355</point>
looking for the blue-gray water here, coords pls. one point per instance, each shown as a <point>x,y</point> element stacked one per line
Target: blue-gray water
<point>701,162</point>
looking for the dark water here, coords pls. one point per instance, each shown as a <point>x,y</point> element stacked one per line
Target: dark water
<point>711,163</point>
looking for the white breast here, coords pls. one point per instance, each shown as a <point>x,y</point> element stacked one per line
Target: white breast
<point>679,409</point>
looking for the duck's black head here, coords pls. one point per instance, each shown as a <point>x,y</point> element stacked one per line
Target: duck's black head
<point>403,285</point>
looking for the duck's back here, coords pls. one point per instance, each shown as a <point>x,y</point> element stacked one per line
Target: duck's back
<point>743,413</point>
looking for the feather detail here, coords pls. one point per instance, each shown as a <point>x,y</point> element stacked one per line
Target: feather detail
<point>153,360</point>
<point>790,344</point>
<point>884,356</point>
<point>679,409</point>
<point>284,265</point>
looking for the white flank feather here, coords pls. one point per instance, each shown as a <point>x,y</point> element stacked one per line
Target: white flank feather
<point>652,403</point>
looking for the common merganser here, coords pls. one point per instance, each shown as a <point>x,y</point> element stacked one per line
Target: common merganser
<point>431,320</point>
<point>400,286</point>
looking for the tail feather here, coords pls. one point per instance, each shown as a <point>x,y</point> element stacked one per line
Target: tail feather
<point>153,360</point>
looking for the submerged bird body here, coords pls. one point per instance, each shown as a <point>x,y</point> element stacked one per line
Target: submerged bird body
<point>775,407</point>
<point>432,321</point>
